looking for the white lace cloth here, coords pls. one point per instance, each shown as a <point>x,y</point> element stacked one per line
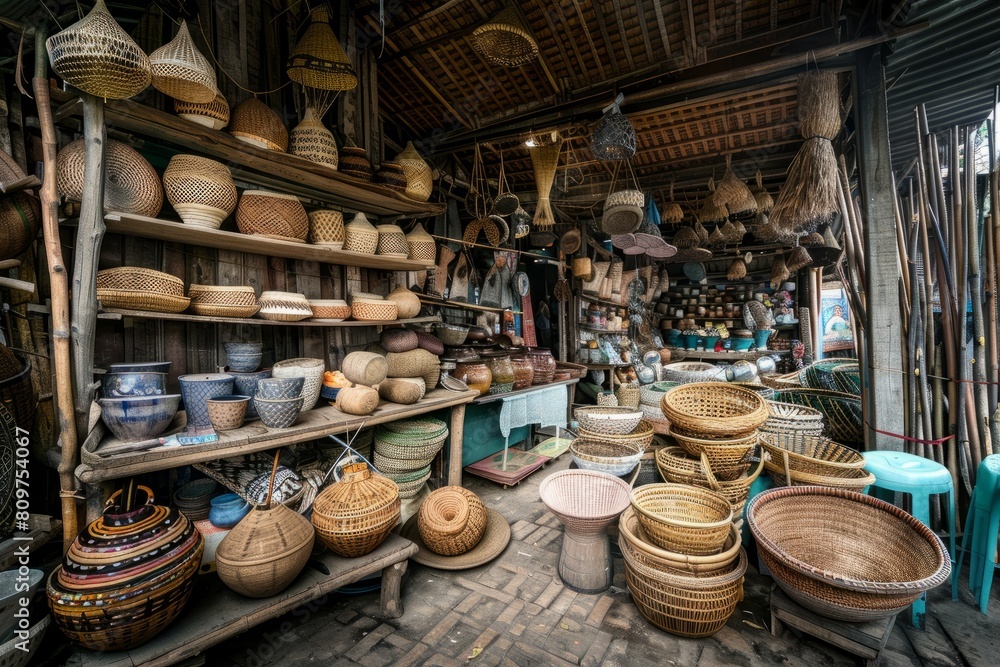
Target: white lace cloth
<point>545,407</point>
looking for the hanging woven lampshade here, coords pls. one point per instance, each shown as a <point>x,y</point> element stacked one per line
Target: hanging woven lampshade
<point>98,57</point>
<point>214,114</point>
<point>614,136</point>
<point>257,124</point>
<point>544,159</point>
<point>505,41</point>
<point>180,71</point>
<point>686,237</point>
<point>419,181</point>
<point>764,200</point>
<point>735,196</point>
<point>713,211</point>
<point>318,60</point>
<point>672,214</point>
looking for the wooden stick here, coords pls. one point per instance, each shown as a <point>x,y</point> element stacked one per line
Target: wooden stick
<point>59,294</point>
<point>979,359</point>
<point>14,283</point>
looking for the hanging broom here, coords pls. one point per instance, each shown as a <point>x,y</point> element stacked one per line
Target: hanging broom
<point>712,211</point>
<point>809,196</point>
<point>673,214</point>
<point>734,195</point>
<point>544,159</point>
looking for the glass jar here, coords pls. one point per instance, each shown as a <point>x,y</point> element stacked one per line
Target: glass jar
<point>501,372</point>
<point>524,371</point>
<point>475,374</point>
<point>543,364</point>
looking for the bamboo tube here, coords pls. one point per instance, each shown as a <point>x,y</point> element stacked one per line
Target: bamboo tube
<point>967,229</point>
<point>979,359</point>
<point>59,298</point>
<point>992,235</point>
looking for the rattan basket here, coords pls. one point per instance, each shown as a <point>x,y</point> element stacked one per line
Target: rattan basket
<point>202,191</point>
<point>792,418</point>
<point>390,175</point>
<point>354,515</point>
<point>372,310</point>
<point>584,500</point>
<point>318,60</point>
<point>641,436</point>
<point>628,395</point>
<point>722,454</point>
<point>683,372</point>
<point>284,306</point>
<point>214,114</point>
<point>504,41</point>
<point>273,215</point>
<point>258,125</point>
<point>678,466</point>
<point>713,409</point>
<point>613,458</point>
<point>677,469</point>
<point>841,412</point>
<point>630,530</point>
<point>140,279</point>
<point>623,212</point>
<point>391,466</point>
<point>311,140</point>
<point>330,309</point>
<point>422,245</point>
<point>223,300</point>
<point>131,185</point>
<point>391,241</point>
<point>326,228</point>
<point>843,554</point>
<point>354,162</point>
<point>815,455</point>
<point>365,368</point>
<point>608,420</point>
<point>181,71</point>
<point>682,518</point>
<point>419,181</point>
<point>98,57</point>
<point>360,235</point>
<point>781,474</point>
<point>451,521</point>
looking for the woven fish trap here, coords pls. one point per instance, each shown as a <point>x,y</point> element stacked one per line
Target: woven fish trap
<point>613,137</point>
<point>544,161</point>
<point>131,185</point>
<point>273,215</point>
<point>97,56</point>
<point>641,436</point>
<point>360,235</point>
<point>623,212</point>
<point>505,41</point>
<point>391,241</point>
<point>354,515</point>
<point>713,409</point>
<point>223,300</point>
<point>318,60</point>
<point>371,310</point>
<point>419,181</point>
<point>451,521</point>
<point>310,139</point>
<point>257,124</point>
<point>422,245</point>
<point>202,191</point>
<point>214,114</point>
<point>682,518</point>
<point>181,71</point>
<point>326,227</point>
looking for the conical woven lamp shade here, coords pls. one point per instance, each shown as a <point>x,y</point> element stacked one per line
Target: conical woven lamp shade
<point>419,181</point>
<point>181,71</point>
<point>545,159</point>
<point>98,57</point>
<point>318,60</point>
<point>505,41</point>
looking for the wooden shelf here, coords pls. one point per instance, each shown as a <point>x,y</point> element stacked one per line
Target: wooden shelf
<point>446,303</point>
<point>600,330</point>
<point>168,230</point>
<point>604,367</point>
<point>593,299</point>
<point>492,398</point>
<point>680,354</point>
<point>271,169</point>
<point>105,458</point>
<point>119,313</point>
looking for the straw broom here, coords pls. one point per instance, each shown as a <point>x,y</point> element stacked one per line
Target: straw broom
<point>544,159</point>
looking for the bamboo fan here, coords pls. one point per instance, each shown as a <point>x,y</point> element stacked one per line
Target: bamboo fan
<point>318,60</point>
<point>673,214</point>
<point>734,195</point>
<point>505,41</point>
<point>544,159</point>
<point>764,200</point>
<point>810,194</point>
<point>713,210</point>
<point>181,71</point>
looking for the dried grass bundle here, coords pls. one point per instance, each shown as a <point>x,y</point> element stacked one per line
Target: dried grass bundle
<point>799,259</point>
<point>735,196</point>
<point>764,200</point>
<point>686,237</point>
<point>737,270</point>
<point>713,211</point>
<point>672,214</point>
<point>779,272</point>
<point>544,159</point>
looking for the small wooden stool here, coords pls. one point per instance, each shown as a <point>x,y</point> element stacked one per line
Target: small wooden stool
<point>865,640</point>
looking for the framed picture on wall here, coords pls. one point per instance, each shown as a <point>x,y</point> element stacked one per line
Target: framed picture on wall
<point>835,319</point>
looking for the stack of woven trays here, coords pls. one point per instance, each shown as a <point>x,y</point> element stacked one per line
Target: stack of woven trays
<point>614,424</point>
<point>194,498</point>
<point>649,403</point>
<point>404,451</point>
<point>814,460</point>
<point>684,564</point>
<point>841,412</point>
<point>137,288</point>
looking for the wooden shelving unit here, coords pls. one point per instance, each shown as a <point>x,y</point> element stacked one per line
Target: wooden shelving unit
<point>446,303</point>
<point>120,313</point>
<point>680,354</point>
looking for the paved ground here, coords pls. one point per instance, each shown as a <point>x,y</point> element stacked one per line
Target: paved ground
<point>515,611</point>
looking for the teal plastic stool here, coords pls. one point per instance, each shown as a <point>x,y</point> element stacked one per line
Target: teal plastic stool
<point>759,485</point>
<point>982,524</point>
<point>899,472</point>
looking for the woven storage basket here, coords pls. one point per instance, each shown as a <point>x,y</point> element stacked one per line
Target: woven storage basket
<point>139,300</point>
<point>399,340</point>
<point>318,60</point>
<point>736,490</point>
<point>214,114</point>
<point>354,515</point>
<point>713,409</point>
<point>410,489</point>
<point>202,191</point>
<point>272,215</point>
<point>789,416</point>
<point>722,454</point>
<point>284,306</point>
<point>421,244</point>
<point>690,371</point>
<point>677,465</point>
<point>98,57</point>
<point>651,394</point>
<point>391,466</point>
<point>857,479</point>
<point>20,212</point>
<point>451,521</point>
<point>651,555</point>
<point>819,374</point>
<point>415,363</point>
<point>330,309</point>
<point>140,279</point>
<point>181,71</point>
<point>357,400</point>
<point>373,310</point>
<point>430,342</point>
<point>623,212</point>
<point>391,175</point>
<point>684,604</point>
<point>843,554</point>
<point>419,181</point>
<point>405,391</point>
<point>811,454</point>
<point>641,436</point>
<point>841,412</point>
<point>360,235</point>
<point>311,140</point>
<point>504,41</point>
<point>608,420</point>
<point>258,125</point>
<point>391,241</point>
<point>326,227</point>
<point>365,368</point>
<point>354,162</point>
<point>628,394</point>
<point>131,185</point>
<point>613,458</point>
<point>682,518</point>
<point>407,302</point>
<point>223,300</point>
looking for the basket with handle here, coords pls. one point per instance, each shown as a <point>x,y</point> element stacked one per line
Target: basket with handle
<point>724,455</point>
<point>682,518</point>
<point>713,409</point>
<point>451,521</point>
<point>355,514</point>
<point>735,489</point>
<point>630,530</point>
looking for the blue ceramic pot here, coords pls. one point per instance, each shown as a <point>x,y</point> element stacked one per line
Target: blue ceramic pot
<point>138,418</point>
<point>227,510</point>
<point>690,341</point>
<point>710,342</point>
<point>196,389</point>
<point>273,389</point>
<point>741,344</point>
<point>245,384</point>
<point>760,337</point>
<point>243,357</point>
<point>280,413</point>
<point>115,385</point>
<point>144,367</point>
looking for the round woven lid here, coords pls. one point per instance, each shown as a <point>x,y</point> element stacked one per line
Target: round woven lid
<point>426,427</point>
<point>495,540</point>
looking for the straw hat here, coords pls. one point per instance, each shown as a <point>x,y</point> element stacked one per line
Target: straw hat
<point>180,71</point>
<point>505,41</point>
<point>494,541</point>
<point>318,60</point>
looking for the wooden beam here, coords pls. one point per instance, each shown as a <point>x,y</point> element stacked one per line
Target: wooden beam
<point>883,328</point>
<point>543,61</point>
<point>641,11</point>
<point>621,34</point>
<point>662,24</point>
<point>606,36</point>
<point>586,32</point>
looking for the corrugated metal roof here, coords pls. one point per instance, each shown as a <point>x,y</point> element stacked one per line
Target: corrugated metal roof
<point>952,68</point>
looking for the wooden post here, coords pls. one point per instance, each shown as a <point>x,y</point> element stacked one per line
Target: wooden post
<point>455,450</point>
<point>884,386</point>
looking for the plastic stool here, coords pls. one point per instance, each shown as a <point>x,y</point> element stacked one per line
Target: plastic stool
<point>982,524</point>
<point>899,472</point>
<point>759,485</point>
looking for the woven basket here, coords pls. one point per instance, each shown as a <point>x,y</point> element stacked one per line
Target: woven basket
<point>584,500</point>
<point>736,490</point>
<point>391,176</point>
<point>360,235</point>
<point>819,374</point>
<point>504,41</point>
<point>330,309</point>
<point>273,215</point>
<point>422,245</point>
<point>651,394</point>
<point>354,515</point>
<point>365,368</point>
<point>690,371</point>
<point>181,71</point>
<point>843,554</point>
<point>131,185</point>
<point>415,363</point>
<point>725,454</point>
<point>223,301</point>
<point>20,212</point>
<point>681,518</point>
<point>140,279</point>
<point>781,474</point>
<point>202,191</point>
<point>613,458</point>
<point>419,181</point>
<point>358,400</point>
<point>623,212</point>
<point>713,409</point>
<point>789,416</point>
<point>847,378</point>
<point>326,227</point>
<point>681,467</point>
<point>311,140</point>
<point>398,340</point>
<point>608,420</point>
<point>258,125</point>
<point>318,60</point>
<point>405,391</point>
<point>451,521</point>
<point>810,454</point>
<point>284,306</point>
<point>641,436</point>
<point>354,162</point>
<point>628,394</point>
<point>841,412</point>
<point>98,57</point>
<point>391,241</point>
<point>391,466</point>
<point>139,300</point>
<point>214,114</point>
<point>370,310</point>
<point>647,553</point>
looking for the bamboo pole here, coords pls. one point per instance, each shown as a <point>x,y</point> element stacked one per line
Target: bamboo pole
<point>979,360</point>
<point>59,298</point>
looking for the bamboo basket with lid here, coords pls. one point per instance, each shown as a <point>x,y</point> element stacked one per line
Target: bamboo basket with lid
<point>181,71</point>
<point>311,140</point>
<point>360,235</point>
<point>422,245</point>
<point>202,191</point>
<point>355,514</point>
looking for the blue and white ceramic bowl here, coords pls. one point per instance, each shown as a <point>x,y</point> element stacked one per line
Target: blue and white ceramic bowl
<point>116,385</point>
<point>138,418</point>
<point>280,413</point>
<point>141,367</point>
<point>245,384</point>
<point>279,388</point>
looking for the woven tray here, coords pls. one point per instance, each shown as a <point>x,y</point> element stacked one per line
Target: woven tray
<point>713,409</point>
<point>135,278</point>
<point>813,455</point>
<point>141,300</point>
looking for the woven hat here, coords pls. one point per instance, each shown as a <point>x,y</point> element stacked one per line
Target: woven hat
<point>614,136</point>
<point>98,57</point>
<point>131,185</point>
<point>258,125</point>
<point>623,212</point>
<point>495,539</point>
<point>505,41</point>
<point>180,71</point>
<point>318,60</point>
<point>419,181</point>
<point>214,114</point>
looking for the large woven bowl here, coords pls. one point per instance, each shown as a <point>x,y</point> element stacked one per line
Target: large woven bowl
<point>613,458</point>
<point>843,554</point>
<point>584,500</point>
<point>723,455</point>
<point>681,518</point>
<point>641,436</point>
<point>713,409</point>
<point>812,454</point>
<point>630,530</point>
<point>608,420</point>
<point>273,215</point>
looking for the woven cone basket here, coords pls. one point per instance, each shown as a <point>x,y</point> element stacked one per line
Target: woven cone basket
<point>318,60</point>
<point>421,244</point>
<point>505,41</point>
<point>310,139</point>
<point>258,125</point>
<point>354,515</point>
<point>544,159</point>
<point>214,114</point>
<point>736,197</point>
<point>713,210</point>
<point>181,71</point>
<point>419,181</point>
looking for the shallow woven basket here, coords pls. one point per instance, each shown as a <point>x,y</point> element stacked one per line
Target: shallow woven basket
<point>330,309</point>
<point>791,417</point>
<point>613,458</point>
<point>181,71</point>
<point>223,300</point>
<point>680,603</point>
<point>202,191</point>
<point>843,554</point>
<point>679,466</point>
<point>98,57</point>
<point>353,516</point>
<point>273,215</point>
<point>131,185</point>
<point>326,227</point>
<point>841,412</point>
<point>811,454</point>
<point>858,479</point>
<point>391,241</point>
<point>847,378</point>
<point>735,490</point>
<point>641,436</point>
<point>371,310</point>
<point>713,409</point>
<point>722,454</point>
<point>608,420</point>
<point>630,530</point>
<point>451,521</point>
<point>623,212</point>
<point>258,125</point>
<point>686,519</point>
<point>360,235</point>
<point>140,279</point>
<point>284,306</point>
<point>584,500</point>
<point>214,114</point>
